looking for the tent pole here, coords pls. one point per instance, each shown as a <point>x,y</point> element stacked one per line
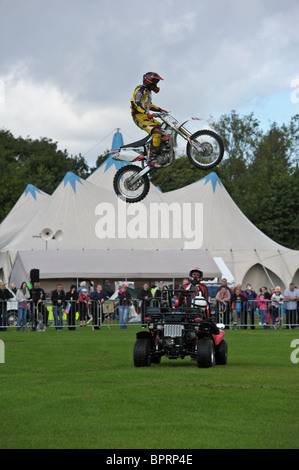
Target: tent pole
<point>283,260</point>
<point>233,263</point>
<point>264,268</point>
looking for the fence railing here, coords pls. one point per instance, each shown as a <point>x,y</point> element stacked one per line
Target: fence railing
<point>255,313</point>
<point>73,314</point>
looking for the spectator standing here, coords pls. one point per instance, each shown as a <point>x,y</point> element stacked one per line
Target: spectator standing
<point>83,285</point>
<point>251,295</point>
<point>107,288</point>
<point>223,284</point>
<point>5,296</point>
<point>97,297</point>
<point>58,301</point>
<point>238,302</point>
<point>37,298</point>
<point>23,296</point>
<point>124,298</point>
<point>262,305</point>
<point>72,297</point>
<point>162,294</point>
<point>228,305</point>
<point>267,297</point>
<point>291,296</point>
<point>83,302</point>
<point>144,295</point>
<point>223,297</point>
<point>276,301</point>
<point>13,288</point>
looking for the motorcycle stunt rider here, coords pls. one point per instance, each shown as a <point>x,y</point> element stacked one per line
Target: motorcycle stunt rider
<point>141,105</point>
<point>196,288</point>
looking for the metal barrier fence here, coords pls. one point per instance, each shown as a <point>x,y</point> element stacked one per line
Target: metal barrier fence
<point>42,315</point>
<point>73,314</point>
<point>255,313</point>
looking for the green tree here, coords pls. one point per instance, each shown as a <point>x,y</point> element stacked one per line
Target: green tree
<point>181,173</point>
<point>100,160</point>
<point>272,200</point>
<point>241,136</point>
<point>38,162</point>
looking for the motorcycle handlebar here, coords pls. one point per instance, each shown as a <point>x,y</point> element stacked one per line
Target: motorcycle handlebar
<point>165,113</point>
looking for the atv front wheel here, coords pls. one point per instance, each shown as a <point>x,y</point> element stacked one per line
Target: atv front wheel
<point>205,353</point>
<point>221,353</point>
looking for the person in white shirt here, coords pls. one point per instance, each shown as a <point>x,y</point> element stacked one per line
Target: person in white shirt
<point>291,296</point>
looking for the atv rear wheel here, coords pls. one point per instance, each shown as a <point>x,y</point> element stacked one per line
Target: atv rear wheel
<point>205,353</point>
<point>141,352</point>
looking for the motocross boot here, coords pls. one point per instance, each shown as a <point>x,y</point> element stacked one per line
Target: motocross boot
<point>152,161</point>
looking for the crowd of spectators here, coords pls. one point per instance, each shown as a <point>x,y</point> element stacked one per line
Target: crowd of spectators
<point>236,307</point>
<point>243,305</point>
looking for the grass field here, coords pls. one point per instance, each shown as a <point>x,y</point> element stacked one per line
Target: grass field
<point>79,389</point>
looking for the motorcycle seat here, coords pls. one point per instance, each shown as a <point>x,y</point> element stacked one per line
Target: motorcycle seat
<point>139,143</point>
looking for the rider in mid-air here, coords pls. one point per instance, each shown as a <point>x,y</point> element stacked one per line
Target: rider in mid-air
<point>141,105</point>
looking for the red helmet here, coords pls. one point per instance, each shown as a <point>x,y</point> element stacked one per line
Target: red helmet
<point>150,80</point>
<point>195,278</point>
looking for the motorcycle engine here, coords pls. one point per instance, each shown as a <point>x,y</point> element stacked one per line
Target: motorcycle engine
<point>166,154</point>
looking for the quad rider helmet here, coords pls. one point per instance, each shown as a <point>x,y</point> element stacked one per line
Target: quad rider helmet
<point>150,80</point>
<point>195,275</point>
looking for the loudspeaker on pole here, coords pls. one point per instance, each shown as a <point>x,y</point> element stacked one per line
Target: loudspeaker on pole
<point>34,276</point>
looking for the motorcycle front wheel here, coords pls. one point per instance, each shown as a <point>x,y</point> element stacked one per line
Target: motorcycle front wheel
<point>130,192</point>
<point>205,149</point>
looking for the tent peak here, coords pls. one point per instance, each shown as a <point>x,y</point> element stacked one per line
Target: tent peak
<point>31,189</point>
<point>213,178</point>
<point>72,179</point>
<point>117,142</point>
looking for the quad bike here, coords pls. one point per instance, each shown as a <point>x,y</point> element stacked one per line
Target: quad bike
<point>204,149</point>
<point>176,332</point>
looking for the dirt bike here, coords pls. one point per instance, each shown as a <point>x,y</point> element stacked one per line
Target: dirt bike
<point>204,149</point>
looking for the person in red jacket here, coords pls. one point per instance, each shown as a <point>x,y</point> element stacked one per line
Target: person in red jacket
<point>195,288</point>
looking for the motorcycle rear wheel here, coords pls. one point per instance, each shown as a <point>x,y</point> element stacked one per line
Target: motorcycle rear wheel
<point>207,150</point>
<point>126,191</point>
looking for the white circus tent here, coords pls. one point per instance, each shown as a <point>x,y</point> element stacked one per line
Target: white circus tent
<point>28,204</point>
<point>101,233</point>
<point>189,224</point>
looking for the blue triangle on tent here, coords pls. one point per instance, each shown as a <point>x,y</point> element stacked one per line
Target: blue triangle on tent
<point>72,179</point>
<point>213,179</point>
<point>30,189</point>
<point>117,142</point>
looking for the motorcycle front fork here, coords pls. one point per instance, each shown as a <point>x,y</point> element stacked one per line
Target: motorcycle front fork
<point>143,172</point>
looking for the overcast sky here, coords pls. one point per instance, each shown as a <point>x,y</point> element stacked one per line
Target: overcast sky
<point>69,67</point>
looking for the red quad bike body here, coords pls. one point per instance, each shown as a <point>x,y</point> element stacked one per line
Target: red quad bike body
<point>179,331</point>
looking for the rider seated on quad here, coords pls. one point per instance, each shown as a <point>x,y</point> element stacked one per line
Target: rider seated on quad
<point>141,105</point>
<point>195,288</point>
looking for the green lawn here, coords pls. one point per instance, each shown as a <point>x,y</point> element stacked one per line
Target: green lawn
<point>79,389</point>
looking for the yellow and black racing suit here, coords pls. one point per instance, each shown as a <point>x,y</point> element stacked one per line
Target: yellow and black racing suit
<point>141,104</point>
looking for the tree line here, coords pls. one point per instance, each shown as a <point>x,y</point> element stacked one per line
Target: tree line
<point>260,171</point>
